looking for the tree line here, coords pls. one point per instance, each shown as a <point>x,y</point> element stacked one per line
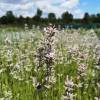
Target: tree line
<point>66,18</point>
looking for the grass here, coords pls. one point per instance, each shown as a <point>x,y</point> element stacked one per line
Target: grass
<point>17,64</point>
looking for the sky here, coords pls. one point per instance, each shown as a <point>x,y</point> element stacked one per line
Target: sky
<point>29,7</point>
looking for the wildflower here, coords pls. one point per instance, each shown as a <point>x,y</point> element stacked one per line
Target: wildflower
<point>82,69</point>
<point>8,41</point>
<point>26,27</point>
<point>2,98</point>
<point>79,85</point>
<point>2,70</point>
<point>69,87</point>
<point>96,98</point>
<point>69,84</point>
<point>50,55</point>
<point>97,67</point>
<point>98,84</point>
<point>45,54</point>
<point>8,95</point>
<point>48,86</point>
<point>67,96</point>
<point>34,81</point>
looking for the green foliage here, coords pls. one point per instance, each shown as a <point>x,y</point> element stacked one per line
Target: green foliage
<point>66,18</point>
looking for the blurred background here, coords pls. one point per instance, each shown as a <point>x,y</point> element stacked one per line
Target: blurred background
<point>67,13</point>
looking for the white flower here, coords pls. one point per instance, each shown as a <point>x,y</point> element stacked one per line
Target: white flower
<point>98,84</point>
<point>2,98</point>
<point>50,55</point>
<point>79,85</point>
<point>97,67</point>
<point>48,86</point>
<point>82,69</point>
<point>8,95</point>
<point>2,70</point>
<point>69,84</point>
<point>7,40</point>
<point>96,98</point>
<point>34,81</point>
<point>67,96</point>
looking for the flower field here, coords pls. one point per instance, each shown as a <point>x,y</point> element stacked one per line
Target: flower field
<point>49,64</point>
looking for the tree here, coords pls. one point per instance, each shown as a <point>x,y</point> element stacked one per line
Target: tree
<point>3,20</point>
<point>92,18</point>
<point>37,17</point>
<point>51,16</point>
<point>86,18</point>
<point>21,20</point>
<point>67,17</point>
<point>38,14</point>
<point>10,17</point>
<point>98,18</point>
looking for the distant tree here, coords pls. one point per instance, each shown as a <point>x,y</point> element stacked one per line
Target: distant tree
<point>37,17</point>
<point>10,17</point>
<point>3,20</point>
<point>38,14</point>
<point>67,17</point>
<point>86,18</point>
<point>27,20</point>
<point>77,20</point>
<point>51,16</point>
<point>21,20</point>
<point>92,18</point>
<point>98,18</point>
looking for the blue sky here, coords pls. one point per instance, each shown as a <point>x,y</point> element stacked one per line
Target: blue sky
<point>29,7</point>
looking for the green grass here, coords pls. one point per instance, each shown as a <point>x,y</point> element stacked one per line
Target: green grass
<point>17,78</point>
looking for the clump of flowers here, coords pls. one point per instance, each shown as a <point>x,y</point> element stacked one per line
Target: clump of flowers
<point>97,57</point>
<point>69,87</point>
<point>82,70</point>
<point>45,53</point>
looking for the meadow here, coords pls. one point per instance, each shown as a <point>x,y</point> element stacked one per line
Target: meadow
<point>49,64</point>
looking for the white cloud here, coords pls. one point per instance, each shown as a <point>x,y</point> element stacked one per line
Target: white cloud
<point>59,6</point>
<point>1,12</point>
<point>25,6</point>
<point>70,4</point>
<point>98,8</point>
<point>28,7</point>
<point>25,9</point>
<point>78,13</point>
